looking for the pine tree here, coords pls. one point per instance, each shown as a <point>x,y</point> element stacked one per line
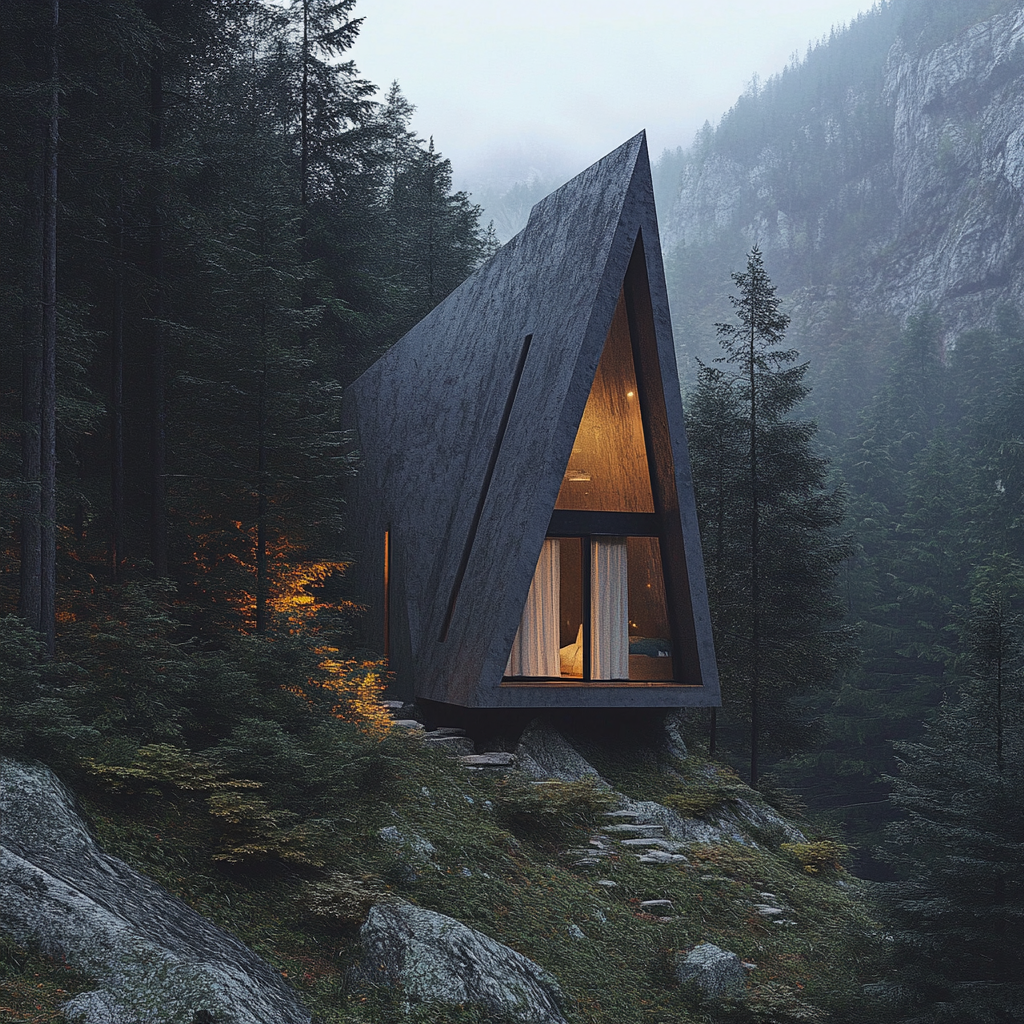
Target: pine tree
<point>769,519</point>
<point>957,915</point>
<point>923,471</point>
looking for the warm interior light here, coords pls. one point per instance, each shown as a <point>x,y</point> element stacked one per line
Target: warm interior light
<point>609,453</point>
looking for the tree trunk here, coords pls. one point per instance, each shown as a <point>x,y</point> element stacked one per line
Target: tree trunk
<point>261,509</point>
<point>48,398</point>
<point>31,388</point>
<point>304,139</point>
<point>117,550</point>
<point>304,173</point>
<point>999,696</point>
<point>755,597</point>
<point>158,412</point>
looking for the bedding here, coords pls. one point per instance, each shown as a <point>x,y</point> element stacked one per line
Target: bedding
<point>649,658</point>
<point>571,657</point>
<point>652,647</point>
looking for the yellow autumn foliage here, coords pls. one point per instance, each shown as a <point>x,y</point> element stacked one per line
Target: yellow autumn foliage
<point>355,689</point>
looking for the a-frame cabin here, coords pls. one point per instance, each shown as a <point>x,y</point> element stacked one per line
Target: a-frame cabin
<point>523,515</point>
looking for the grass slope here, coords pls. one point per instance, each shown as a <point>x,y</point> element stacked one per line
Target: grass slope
<point>497,860</point>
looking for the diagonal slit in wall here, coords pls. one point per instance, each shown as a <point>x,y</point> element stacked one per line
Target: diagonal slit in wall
<point>478,512</point>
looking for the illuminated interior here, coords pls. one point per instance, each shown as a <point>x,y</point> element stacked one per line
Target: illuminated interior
<point>607,591</point>
<point>607,470</point>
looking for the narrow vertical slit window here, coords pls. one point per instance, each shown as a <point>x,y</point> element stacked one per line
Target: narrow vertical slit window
<point>387,594</point>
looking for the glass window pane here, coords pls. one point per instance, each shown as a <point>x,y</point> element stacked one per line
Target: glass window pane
<point>609,608</point>
<point>571,609</point>
<point>535,648</point>
<point>607,470</point>
<point>650,644</point>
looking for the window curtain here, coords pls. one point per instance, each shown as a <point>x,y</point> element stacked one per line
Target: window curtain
<point>535,648</point>
<point>609,609</point>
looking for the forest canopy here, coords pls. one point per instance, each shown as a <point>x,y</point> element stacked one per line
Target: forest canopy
<point>212,223</point>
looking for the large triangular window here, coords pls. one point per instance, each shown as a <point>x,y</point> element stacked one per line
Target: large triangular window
<point>608,468</point>
<point>597,610</point>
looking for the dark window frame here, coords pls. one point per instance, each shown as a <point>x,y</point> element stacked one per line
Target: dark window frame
<point>571,524</point>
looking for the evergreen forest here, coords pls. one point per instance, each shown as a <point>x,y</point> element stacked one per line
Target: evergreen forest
<point>211,224</point>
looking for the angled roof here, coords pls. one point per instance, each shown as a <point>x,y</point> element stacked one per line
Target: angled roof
<point>465,428</point>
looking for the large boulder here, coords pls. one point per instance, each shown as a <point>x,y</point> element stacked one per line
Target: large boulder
<point>716,972</point>
<point>673,742</point>
<point>145,947</point>
<point>544,753</point>
<point>433,958</point>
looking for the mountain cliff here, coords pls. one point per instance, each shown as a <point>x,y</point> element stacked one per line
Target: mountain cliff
<point>881,175</point>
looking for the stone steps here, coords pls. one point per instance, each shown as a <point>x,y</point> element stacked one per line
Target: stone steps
<point>644,831</point>
<point>457,746</point>
<point>625,831</point>
<point>628,832</point>
<point>491,759</point>
<point>408,723</point>
<point>451,739</point>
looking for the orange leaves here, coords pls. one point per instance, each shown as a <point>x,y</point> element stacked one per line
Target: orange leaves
<point>355,689</point>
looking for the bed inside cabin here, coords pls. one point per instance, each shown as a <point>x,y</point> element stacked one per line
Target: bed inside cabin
<point>596,609</point>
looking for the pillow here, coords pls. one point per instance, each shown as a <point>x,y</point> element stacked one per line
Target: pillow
<point>571,657</point>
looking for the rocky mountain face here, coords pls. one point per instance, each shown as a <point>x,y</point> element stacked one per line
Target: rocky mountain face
<point>957,173</point>
<point>885,173</point>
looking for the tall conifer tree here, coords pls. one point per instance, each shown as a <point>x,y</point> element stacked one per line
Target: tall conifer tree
<point>957,915</point>
<point>769,518</point>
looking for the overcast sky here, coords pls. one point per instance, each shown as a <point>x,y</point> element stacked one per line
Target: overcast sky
<point>558,83</point>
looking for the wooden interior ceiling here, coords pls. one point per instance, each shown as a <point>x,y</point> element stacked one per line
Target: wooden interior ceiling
<point>607,470</point>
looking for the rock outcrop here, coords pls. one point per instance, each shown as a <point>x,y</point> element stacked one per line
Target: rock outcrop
<point>145,947</point>
<point>903,193</point>
<point>544,753</point>
<point>433,958</point>
<point>716,972</point>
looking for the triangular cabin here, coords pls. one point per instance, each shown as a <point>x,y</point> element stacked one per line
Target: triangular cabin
<point>523,514</point>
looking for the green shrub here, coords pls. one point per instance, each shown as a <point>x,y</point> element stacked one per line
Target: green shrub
<point>135,678</point>
<point>37,718</point>
<point>817,857</point>
<point>253,831</point>
<point>341,899</point>
<point>696,802</point>
<point>160,767</point>
<point>548,807</point>
<point>248,828</point>
<point>712,787</point>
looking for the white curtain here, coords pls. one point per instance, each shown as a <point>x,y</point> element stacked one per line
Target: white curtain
<point>609,609</point>
<point>535,649</point>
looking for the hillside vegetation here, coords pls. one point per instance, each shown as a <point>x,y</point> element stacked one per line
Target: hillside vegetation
<point>501,853</point>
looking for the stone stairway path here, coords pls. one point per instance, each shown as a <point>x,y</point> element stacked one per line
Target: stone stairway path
<point>450,739</point>
<point>625,832</point>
